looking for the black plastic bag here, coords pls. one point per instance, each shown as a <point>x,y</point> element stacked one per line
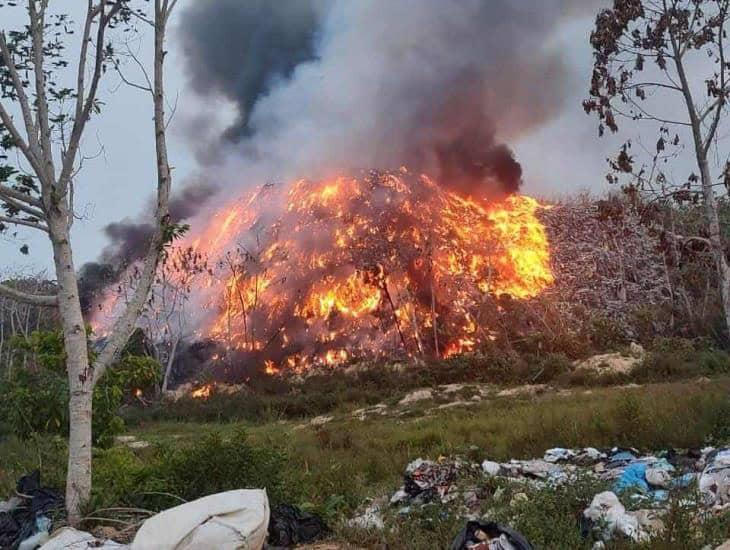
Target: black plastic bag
<point>469,536</point>
<point>43,499</point>
<point>289,526</point>
<point>38,503</point>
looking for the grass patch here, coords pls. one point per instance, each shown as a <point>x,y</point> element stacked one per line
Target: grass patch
<point>331,469</point>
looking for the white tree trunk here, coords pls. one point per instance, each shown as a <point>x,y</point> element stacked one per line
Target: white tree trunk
<point>701,146</point>
<point>715,236</point>
<point>168,366</point>
<point>80,376</point>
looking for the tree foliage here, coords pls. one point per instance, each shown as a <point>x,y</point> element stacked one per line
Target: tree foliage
<point>34,399</point>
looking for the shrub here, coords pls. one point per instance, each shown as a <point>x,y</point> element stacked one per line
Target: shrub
<point>209,465</point>
<point>606,334</point>
<point>35,398</point>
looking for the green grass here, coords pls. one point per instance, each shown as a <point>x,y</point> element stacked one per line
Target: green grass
<point>334,467</point>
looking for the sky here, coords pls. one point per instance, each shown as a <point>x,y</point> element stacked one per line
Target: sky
<point>560,157</point>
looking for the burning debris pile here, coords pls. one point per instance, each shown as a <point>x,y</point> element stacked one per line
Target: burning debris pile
<point>390,264</point>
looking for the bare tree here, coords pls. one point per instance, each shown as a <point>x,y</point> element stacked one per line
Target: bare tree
<point>663,63</point>
<point>19,319</point>
<point>37,191</point>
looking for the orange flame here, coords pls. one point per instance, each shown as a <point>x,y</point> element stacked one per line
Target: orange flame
<point>387,264</point>
<point>203,392</point>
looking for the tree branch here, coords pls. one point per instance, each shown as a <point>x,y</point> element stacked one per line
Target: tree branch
<point>125,323</point>
<point>25,109</point>
<point>721,99</point>
<point>26,223</point>
<point>21,197</point>
<point>24,297</point>
<point>18,140</point>
<point>22,207</point>
<point>37,29</point>
<point>82,118</point>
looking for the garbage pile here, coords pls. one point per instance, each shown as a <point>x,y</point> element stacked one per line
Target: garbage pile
<point>637,494</point>
<point>26,518</point>
<point>426,481</point>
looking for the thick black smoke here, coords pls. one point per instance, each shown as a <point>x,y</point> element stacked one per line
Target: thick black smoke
<point>242,49</point>
<point>327,86</point>
<point>128,241</point>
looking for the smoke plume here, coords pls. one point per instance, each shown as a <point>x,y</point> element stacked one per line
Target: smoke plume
<point>331,86</point>
<point>128,241</point>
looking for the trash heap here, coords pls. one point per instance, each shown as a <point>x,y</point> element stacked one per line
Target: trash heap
<point>643,482</point>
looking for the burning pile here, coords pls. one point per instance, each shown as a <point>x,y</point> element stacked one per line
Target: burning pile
<point>390,264</point>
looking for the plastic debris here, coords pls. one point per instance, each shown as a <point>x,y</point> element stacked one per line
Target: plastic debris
<point>586,456</point>
<point>491,468</point>
<point>290,526</point>
<point>479,535</point>
<point>714,481</point>
<point>429,480</point>
<point>370,519</point>
<point>608,516</point>
<point>632,478</point>
<point>25,517</point>
<point>233,519</point>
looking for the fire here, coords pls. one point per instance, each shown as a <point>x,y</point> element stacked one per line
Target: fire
<point>202,392</point>
<point>270,367</point>
<point>351,297</point>
<point>389,264</point>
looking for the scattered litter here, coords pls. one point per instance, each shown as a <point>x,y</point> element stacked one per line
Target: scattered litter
<point>715,478</point>
<point>607,517</point>
<point>233,519</point>
<point>586,456</point>
<point>370,519</point>
<point>558,455</point>
<point>290,526</point>
<point>399,496</point>
<point>632,478</point>
<point>478,535</point>
<point>491,468</point>
<point>536,469</point>
<point>643,480</point>
<point>426,480</point>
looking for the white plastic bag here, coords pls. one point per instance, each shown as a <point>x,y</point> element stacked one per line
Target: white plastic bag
<point>234,519</point>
